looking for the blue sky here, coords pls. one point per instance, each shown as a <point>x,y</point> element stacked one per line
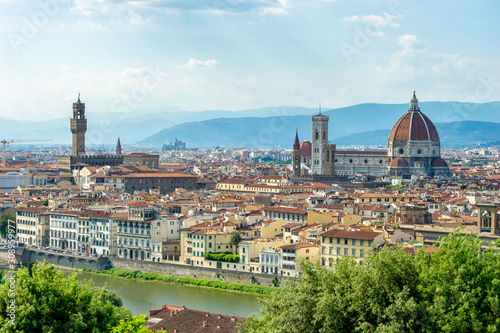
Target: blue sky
<point>153,55</point>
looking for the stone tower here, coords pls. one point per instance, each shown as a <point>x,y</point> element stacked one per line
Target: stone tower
<point>296,156</point>
<point>78,128</point>
<point>329,168</point>
<point>118,148</point>
<point>319,140</point>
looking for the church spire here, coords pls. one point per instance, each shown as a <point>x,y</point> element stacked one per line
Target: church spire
<point>118,148</point>
<point>296,144</point>
<point>414,103</point>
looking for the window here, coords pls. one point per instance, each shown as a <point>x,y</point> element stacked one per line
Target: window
<point>346,251</point>
<point>338,240</point>
<point>338,251</point>
<point>353,252</point>
<point>330,250</point>
<point>361,253</point>
<point>361,243</point>
<point>345,241</point>
<point>353,242</point>
<point>369,243</point>
<point>323,250</point>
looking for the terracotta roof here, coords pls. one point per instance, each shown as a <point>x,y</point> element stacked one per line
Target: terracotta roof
<point>399,162</point>
<point>285,209</point>
<point>439,163</point>
<point>365,235</point>
<point>305,149</point>
<point>158,175</point>
<point>413,125</point>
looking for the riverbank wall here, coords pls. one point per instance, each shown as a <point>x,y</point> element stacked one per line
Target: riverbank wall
<point>61,260</point>
<point>192,271</point>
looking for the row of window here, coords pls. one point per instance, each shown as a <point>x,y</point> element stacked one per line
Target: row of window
<point>62,234</point>
<point>346,241</point>
<point>339,252</point>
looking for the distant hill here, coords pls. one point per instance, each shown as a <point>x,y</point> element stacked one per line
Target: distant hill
<point>451,134</point>
<point>105,128</point>
<point>266,127</point>
<point>370,120</point>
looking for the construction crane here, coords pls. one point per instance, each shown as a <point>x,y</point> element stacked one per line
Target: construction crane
<point>27,157</point>
<point>6,141</point>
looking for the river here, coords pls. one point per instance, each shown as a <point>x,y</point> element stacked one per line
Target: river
<point>140,297</point>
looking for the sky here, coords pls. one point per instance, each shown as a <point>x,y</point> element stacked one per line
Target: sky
<point>162,56</point>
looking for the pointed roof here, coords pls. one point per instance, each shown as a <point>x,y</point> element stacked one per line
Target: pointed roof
<point>296,144</point>
<point>118,144</point>
<point>78,101</point>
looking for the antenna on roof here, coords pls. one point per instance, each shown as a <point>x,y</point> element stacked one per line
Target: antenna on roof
<point>319,107</point>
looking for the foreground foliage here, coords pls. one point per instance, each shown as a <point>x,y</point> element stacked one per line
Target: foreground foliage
<point>132,325</point>
<point>218,284</point>
<point>46,301</point>
<point>222,256</point>
<point>456,289</point>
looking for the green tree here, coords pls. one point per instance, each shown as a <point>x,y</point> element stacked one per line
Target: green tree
<point>45,202</point>
<point>132,325</point>
<point>49,302</point>
<point>455,289</point>
<point>235,240</point>
<point>4,222</point>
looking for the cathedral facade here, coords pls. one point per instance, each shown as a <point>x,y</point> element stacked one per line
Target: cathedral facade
<point>414,148</point>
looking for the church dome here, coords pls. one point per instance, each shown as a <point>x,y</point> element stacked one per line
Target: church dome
<point>305,148</point>
<point>439,163</point>
<point>399,162</point>
<point>414,126</point>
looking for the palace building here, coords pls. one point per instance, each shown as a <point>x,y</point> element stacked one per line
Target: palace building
<point>414,148</point>
<point>79,158</point>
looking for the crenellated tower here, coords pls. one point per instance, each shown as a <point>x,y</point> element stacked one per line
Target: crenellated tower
<point>78,128</point>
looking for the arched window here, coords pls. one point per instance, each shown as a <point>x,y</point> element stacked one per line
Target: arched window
<point>316,135</point>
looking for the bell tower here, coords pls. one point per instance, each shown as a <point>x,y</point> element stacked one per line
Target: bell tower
<point>319,140</point>
<point>78,128</point>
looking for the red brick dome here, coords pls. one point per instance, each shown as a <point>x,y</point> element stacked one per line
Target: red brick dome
<point>398,162</point>
<point>414,125</point>
<point>305,148</point>
<point>439,163</point>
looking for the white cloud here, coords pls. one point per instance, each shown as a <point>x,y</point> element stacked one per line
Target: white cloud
<point>135,72</point>
<point>92,25</point>
<point>193,63</point>
<point>416,59</point>
<point>118,7</point>
<point>374,23</point>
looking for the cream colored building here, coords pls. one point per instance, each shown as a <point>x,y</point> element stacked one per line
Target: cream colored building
<point>336,244</point>
<point>33,226</point>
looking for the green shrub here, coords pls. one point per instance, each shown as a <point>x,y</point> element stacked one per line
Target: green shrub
<point>216,284</point>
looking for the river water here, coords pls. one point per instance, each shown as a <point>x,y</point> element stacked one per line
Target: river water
<point>140,297</point>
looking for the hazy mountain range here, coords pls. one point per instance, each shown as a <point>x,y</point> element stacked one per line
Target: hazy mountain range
<point>362,124</point>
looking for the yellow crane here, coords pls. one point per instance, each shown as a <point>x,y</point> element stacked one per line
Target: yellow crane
<point>27,157</point>
<point>6,141</point>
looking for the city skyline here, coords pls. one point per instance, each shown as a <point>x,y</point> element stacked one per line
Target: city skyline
<point>155,56</point>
